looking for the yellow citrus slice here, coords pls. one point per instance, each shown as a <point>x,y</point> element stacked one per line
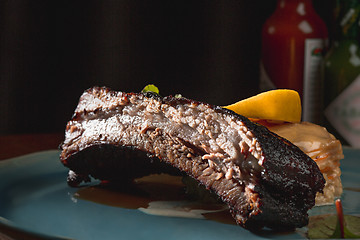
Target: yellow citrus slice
<point>275,105</point>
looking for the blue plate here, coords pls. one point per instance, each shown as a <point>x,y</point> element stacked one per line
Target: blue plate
<point>35,198</point>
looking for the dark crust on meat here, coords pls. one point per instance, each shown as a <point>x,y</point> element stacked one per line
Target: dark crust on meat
<point>276,162</point>
<point>284,191</point>
<point>278,155</point>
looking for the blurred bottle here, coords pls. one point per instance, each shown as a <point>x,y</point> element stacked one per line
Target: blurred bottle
<point>293,43</point>
<point>342,75</point>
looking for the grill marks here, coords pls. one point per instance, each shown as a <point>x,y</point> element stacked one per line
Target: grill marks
<point>240,161</point>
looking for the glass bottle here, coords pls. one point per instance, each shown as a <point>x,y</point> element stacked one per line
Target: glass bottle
<point>342,76</point>
<point>293,42</point>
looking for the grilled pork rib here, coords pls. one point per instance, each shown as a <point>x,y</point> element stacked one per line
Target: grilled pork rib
<point>117,136</point>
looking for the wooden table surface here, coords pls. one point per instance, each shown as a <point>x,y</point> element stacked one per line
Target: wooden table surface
<point>17,145</point>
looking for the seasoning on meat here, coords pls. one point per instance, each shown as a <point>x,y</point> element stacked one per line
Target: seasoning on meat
<point>264,179</point>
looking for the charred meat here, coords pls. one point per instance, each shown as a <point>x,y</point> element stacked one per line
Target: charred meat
<point>264,179</point>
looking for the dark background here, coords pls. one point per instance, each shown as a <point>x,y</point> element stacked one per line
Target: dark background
<point>51,51</point>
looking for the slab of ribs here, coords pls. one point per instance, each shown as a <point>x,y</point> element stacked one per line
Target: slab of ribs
<point>264,179</point>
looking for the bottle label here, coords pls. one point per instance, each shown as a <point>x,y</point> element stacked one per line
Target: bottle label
<point>312,97</point>
<point>344,113</point>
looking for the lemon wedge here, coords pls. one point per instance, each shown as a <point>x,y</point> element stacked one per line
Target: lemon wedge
<point>275,105</point>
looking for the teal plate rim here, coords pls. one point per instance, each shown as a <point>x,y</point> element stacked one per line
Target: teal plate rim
<point>30,184</point>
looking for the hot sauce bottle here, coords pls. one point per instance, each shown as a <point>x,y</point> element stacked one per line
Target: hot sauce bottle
<point>293,43</point>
